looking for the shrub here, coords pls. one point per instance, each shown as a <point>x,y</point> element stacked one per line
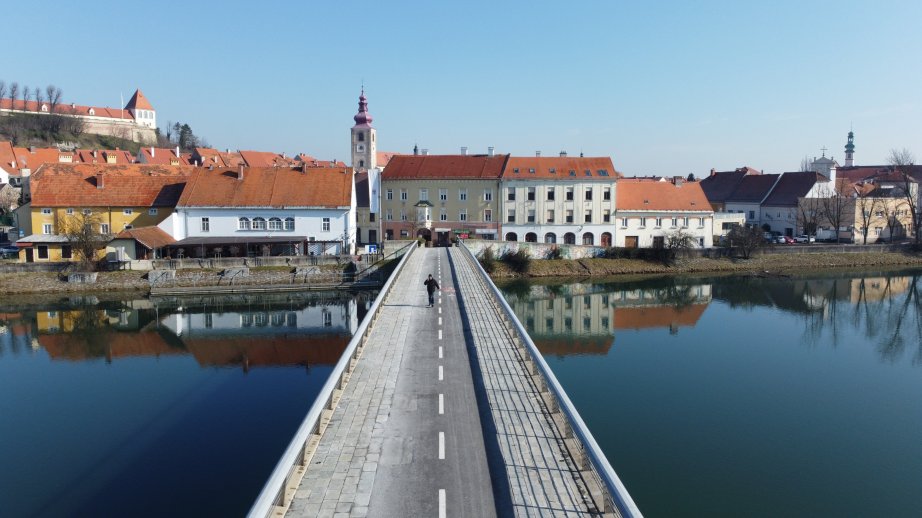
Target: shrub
<point>519,261</point>
<point>488,259</point>
<point>554,253</point>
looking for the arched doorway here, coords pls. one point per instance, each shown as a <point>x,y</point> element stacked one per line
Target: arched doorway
<point>531,237</point>
<point>606,239</point>
<point>511,236</point>
<point>550,237</point>
<point>569,238</point>
<point>588,239</point>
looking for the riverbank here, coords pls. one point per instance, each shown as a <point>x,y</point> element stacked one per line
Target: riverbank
<point>775,264</point>
<point>772,264</point>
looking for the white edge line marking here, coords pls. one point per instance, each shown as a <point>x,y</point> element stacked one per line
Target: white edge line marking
<point>441,373</point>
<point>441,445</point>
<point>441,503</point>
<point>441,404</point>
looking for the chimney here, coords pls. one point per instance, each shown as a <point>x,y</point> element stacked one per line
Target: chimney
<point>152,151</point>
<point>303,168</point>
<point>415,149</point>
<point>228,150</point>
<point>177,151</point>
<point>95,153</point>
<point>99,181</point>
<point>464,150</point>
<point>713,172</point>
<point>563,154</point>
<point>490,151</point>
<point>32,149</point>
<point>425,152</point>
<point>240,172</point>
<point>538,154</point>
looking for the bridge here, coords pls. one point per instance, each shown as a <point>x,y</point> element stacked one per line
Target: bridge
<point>442,411</point>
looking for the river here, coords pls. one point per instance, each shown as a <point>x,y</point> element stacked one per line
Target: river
<point>745,396</point>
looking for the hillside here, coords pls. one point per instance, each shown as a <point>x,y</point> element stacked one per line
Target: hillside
<point>25,130</point>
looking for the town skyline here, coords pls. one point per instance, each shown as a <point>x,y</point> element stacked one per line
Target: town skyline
<point>661,91</point>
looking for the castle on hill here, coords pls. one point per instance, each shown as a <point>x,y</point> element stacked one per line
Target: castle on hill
<point>137,121</point>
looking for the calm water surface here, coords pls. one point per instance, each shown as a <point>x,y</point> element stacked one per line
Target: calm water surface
<point>746,396</point>
<point>158,407</point>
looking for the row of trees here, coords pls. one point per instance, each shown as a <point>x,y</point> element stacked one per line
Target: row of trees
<point>180,134</point>
<point>22,96</point>
<point>56,124</point>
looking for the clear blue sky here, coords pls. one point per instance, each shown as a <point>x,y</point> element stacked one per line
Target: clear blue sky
<point>661,87</point>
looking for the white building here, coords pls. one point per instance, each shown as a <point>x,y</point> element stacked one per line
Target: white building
<point>650,211</point>
<point>562,199</point>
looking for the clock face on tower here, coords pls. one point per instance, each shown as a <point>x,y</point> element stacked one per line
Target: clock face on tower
<point>360,148</point>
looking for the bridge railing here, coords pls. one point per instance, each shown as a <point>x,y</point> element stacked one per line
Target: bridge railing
<point>293,462</point>
<point>616,498</point>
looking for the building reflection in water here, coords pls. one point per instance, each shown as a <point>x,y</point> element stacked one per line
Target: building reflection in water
<point>230,331</point>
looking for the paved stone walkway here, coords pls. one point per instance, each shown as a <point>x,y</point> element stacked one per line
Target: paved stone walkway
<point>408,438</point>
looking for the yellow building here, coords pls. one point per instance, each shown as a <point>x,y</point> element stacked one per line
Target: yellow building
<point>110,198</point>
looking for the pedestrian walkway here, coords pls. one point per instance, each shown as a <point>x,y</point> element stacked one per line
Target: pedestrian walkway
<point>440,416</point>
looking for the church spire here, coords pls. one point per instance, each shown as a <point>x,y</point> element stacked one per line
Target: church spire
<point>850,150</point>
<point>363,118</point>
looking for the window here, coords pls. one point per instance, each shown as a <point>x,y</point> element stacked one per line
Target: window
<point>510,194</point>
<point>752,214</point>
<point>588,193</point>
<point>443,194</point>
<point>569,194</point>
<point>243,224</point>
<point>700,222</point>
<point>42,251</point>
<point>685,222</point>
<point>325,225</point>
<point>606,194</point>
<point>550,216</point>
<point>624,222</point>
<point>531,215</point>
<point>588,216</point>
<point>371,217</point>
<point>659,222</point>
<point>403,195</point>
<point>488,215</point>
<point>206,225</point>
<point>389,194</point>
<point>361,136</point>
<point>46,211</point>
<point>127,212</point>
<point>531,194</point>
<point>290,222</point>
<point>550,193</point>
<point>488,195</point>
<point>462,216</point>
<point>388,215</point>
<point>259,223</point>
<point>69,211</point>
<point>66,252</point>
<point>462,194</point>
<point>275,224</point>
<point>151,212</point>
<point>510,216</point>
<point>675,222</point>
<point>424,194</point>
<point>47,229</point>
<point>606,216</point>
<point>443,214</point>
<point>87,212</point>
<point>569,216</point>
<point>104,228</point>
<point>643,222</point>
<point>403,215</point>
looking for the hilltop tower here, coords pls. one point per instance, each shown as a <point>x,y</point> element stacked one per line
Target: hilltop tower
<point>142,111</point>
<point>364,145</point>
<point>850,150</point>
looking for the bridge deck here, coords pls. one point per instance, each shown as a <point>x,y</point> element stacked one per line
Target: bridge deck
<point>421,429</point>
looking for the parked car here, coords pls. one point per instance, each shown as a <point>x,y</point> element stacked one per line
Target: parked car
<point>803,238</point>
<point>9,250</point>
<point>788,240</point>
<point>784,240</point>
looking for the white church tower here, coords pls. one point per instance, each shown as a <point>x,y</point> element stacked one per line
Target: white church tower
<point>364,145</point>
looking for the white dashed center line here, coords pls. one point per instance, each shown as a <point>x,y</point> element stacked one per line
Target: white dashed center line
<point>441,373</point>
<point>441,503</point>
<point>440,320</point>
<point>441,404</point>
<point>441,445</point>
<point>440,334</point>
<point>440,352</point>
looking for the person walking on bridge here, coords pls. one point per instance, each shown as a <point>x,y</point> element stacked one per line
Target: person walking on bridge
<point>431,285</point>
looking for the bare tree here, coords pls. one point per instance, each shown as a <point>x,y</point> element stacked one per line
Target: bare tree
<point>54,97</point>
<point>866,207</point>
<point>806,164</point>
<point>894,224</point>
<point>833,207</point>
<point>14,93</point>
<point>745,239</point>
<point>902,162</point>
<point>26,95</point>
<point>39,100</point>
<point>83,233</point>
<point>2,89</point>
<point>808,215</point>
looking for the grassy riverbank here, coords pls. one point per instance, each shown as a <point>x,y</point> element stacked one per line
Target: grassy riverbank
<point>776,264</point>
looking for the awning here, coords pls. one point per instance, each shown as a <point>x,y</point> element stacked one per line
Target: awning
<point>236,240</point>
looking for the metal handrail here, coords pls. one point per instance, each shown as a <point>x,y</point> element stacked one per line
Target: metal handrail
<point>274,489</point>
<point>615,488</point>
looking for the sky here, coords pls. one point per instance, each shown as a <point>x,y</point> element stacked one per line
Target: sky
<point>662,88</point>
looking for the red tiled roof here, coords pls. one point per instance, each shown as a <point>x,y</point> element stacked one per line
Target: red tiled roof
<point>660,196</point>
<point>162,156</point>
<point>792,186</point>
<point>8,157</point>
<point>560,168</point>
<point>470,167</point>
<point>858,173</point>
<point>384,157</point>
<point>85,156</point>
<point>68,109</point>
<point>139,102</point>
<point>151,237</point>
<point>276,187</point>
<point>135,185</point>
<point>266,159</point>
<point>34,158</point>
